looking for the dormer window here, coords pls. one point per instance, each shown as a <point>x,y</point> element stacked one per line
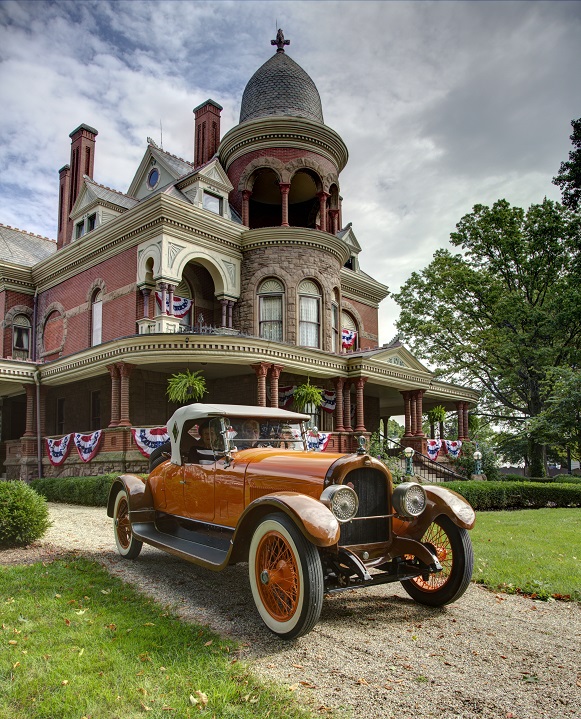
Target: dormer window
<point>212,203</point>
<point>91,222</point>
<point>21,337</point>
<point>79,229</point>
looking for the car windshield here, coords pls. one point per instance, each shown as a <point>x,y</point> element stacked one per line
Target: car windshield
<point>251,432</point>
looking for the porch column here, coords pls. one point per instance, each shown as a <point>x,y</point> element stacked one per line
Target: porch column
<point>230,308</point>
<point>407,413</point>
<point>124,372</point>
<point>359,407</point>
<point>42,410</point>
<point>30,397</point>
<point>246,194</point>
<point>419,432</point>
<point>224,304</point>
<point>170,289</point>
<point>114,372</point>
<point>275,371</point>
<point>339,382</point>
<point>412,414</point>
<point>323,197</point>
<point>284,190</point>
<point>466,429</point>
<point>145,292</point>
<point>347,406</point>
<point>261,369</point>
<point>460,415</point>
<point>163,289</point>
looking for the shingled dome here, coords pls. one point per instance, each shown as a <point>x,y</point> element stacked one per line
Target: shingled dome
<point>281,87</point>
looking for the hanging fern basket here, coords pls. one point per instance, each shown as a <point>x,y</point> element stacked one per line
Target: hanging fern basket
<point>185,387</point>
<point>307,394</point>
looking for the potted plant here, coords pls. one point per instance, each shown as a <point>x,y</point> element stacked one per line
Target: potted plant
<point>306,395</point>
<point>186,387</point>
<point>437,414</point>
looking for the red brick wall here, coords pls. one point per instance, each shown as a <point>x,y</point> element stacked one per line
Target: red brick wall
<point>119,313</point>
<point>368,316</point>
<point>9,299</point>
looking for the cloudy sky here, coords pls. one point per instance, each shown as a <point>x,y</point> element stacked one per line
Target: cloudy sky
<point>442,105</point>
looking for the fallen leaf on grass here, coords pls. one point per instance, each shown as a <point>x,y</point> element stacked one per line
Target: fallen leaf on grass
<point>145,708</point>
<point>308,684</point>
<point>362,681</point>
<point>12,641</point>
<point>65,682</point>
<point>17,664</point>
<point>297,666</point>
<point>200,698</point>
<point>207,644</point>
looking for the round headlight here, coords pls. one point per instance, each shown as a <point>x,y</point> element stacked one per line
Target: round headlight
<point>409,499</point>
<point>342,501</point>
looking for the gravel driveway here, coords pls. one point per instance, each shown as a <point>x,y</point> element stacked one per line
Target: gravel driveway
<point>374,653</point>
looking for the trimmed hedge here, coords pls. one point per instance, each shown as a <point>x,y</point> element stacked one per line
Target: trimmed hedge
<point>23,514</point>
<point>88,491</point>
<point>558,479</point>
<point>517,495</point>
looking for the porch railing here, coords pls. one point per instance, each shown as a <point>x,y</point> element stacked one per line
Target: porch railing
<point>423,466</point>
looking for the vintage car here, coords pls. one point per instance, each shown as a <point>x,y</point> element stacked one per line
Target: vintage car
<point>231,487</point>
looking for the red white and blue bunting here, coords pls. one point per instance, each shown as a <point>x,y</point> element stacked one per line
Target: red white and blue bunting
<point>329,400</point>
<point>434,447</point>
<point>348,338</point>
<point>319,441</point>
<point>149,438</point>
<point>181,305</point>
<point>285,396</point>
<point>88,444</point>
<point>58,449</point>
<point>453,447</point>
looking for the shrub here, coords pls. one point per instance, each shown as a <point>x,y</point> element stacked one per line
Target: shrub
<point>559,479</point>
<point>517,495</point>
<point>465,463</point>
<point>23,514</point>
<point>89,491</point>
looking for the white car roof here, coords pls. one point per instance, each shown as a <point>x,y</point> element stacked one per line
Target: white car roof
<point>200,411</point>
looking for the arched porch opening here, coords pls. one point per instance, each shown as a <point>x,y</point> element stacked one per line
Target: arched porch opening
<point>304,205</point>
<point>265,204</point>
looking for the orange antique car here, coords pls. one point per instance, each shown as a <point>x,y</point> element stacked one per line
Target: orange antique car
<point>235,484</point>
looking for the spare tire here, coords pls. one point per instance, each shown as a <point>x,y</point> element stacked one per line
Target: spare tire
<point>156,457</point>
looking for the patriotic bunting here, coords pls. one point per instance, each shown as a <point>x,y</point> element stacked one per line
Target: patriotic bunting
<point>88,444</point>
<point>148,439</point>
<point>318,442</point>
<point>285,396</point>
<point>434,447</point>
<point>181,305</point>
<point>348,338</point>
<point>453,447</point>
<point>329,400</point>
<point>58,449</point>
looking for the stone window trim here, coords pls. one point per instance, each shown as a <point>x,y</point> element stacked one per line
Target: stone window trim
<point>263,290</point>
<point>308,287</point>
<point>97,284</point>
<point>53,307</point>
<point>13,312</point>
<point>348,308</point>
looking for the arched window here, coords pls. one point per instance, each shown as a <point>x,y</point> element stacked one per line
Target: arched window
<point>349,333</point>
<point>21,337</point>
<point>309,314</point>
<point>335,329</point>
<point>97,318</point>
<point>270,304</point>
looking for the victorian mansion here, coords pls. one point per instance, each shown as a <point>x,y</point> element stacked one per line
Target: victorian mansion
<point>238,263</point>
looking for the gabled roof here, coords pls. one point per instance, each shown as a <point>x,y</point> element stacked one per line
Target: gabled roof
<point>175,166</point>
<point>212,172</point>
<point>348,236</point>
<point>24,248</point>
<point>393,353</point>
<point>91,192</point>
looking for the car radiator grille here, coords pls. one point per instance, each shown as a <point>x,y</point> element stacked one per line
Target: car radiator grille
<point>371,488</point>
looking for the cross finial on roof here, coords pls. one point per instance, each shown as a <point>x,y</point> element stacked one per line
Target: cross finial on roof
<point>280,42</point>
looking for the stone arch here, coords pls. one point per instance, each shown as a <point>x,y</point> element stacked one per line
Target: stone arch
<point>17,310</point>
<point>222,283</point>
<point>149,260</point>
<point>98,284</point>
<point>348,308</point>
<point>248,176</point>
<point>326,179</point>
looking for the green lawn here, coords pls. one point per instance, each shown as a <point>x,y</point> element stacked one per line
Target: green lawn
<point>532,550</point>
<point>75,642</point>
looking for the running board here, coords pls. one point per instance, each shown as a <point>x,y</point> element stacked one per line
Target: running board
<point>195,552</point>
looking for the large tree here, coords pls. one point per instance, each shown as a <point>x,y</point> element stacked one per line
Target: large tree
<point>500,314</point>
<point>569,175</point>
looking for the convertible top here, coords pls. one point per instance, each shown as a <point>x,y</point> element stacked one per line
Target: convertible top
<point>201,411</point>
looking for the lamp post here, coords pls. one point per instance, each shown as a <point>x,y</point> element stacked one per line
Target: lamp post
<point>478,462</point>
<point>409,453</point>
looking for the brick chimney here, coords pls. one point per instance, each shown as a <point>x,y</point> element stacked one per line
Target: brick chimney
<point>71,178</point>
<point>206,131</point>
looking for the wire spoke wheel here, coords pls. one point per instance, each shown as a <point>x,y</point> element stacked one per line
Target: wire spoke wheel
<point>286,577</point>
<point>453,547</point>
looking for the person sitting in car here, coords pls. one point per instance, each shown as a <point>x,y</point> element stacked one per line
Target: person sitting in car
<point>204,451</point>
<point>249,433</point>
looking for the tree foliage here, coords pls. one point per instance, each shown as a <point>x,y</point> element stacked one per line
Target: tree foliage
<point>569,176</point>
<point>503,312</point>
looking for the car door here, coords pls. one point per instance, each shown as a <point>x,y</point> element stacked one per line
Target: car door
<point>199,473</point>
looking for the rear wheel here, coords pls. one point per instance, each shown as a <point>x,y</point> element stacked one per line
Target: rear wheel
<point>127,545</point>
<point>453,547</point>
<point>286,577</point>
<point>156,457</point>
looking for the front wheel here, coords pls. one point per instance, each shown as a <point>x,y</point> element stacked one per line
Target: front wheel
<point>286,577</point>
<point>127,545</point>
<point>453,547</point>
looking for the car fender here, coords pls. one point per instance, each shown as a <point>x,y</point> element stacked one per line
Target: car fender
<point>440,500</point>
<point>315,521</point>
<point>138,496</point>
